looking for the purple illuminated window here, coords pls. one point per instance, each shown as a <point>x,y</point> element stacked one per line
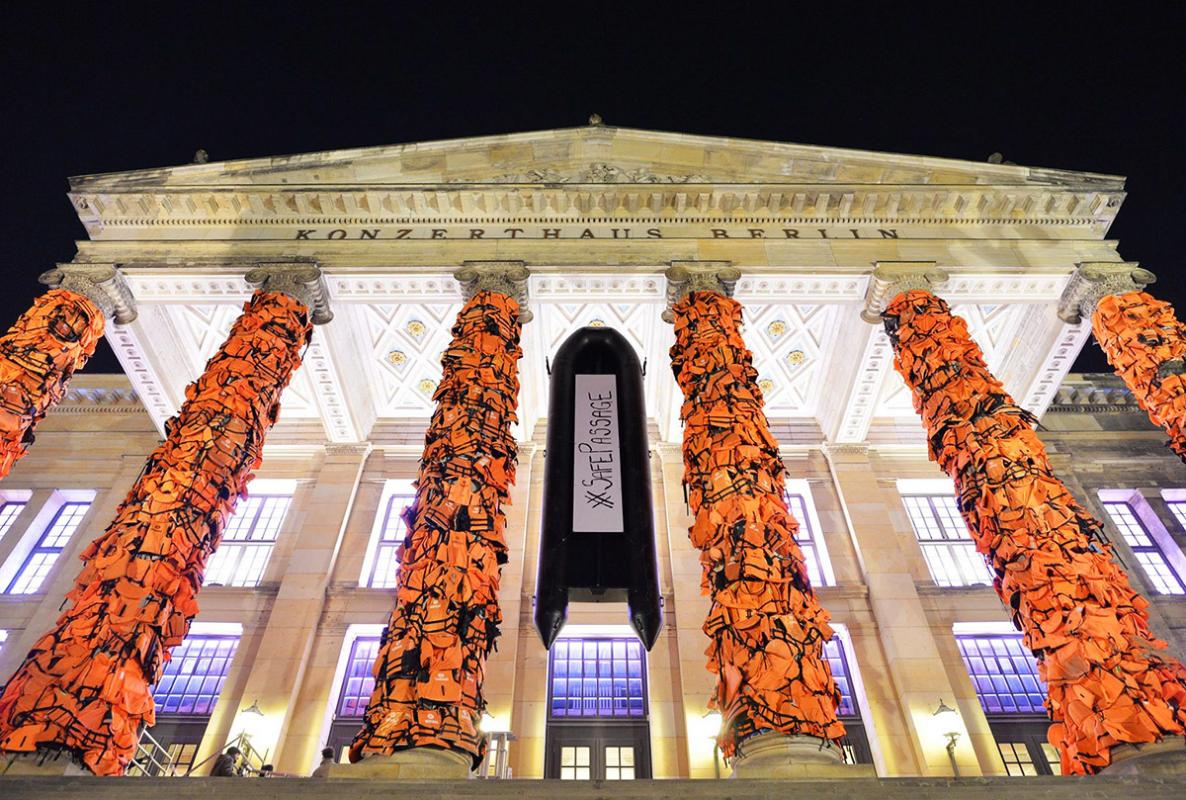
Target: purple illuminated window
<point>384,567</point>
<point>806,539</point>
<point>247,542</point>
<point>358,682</point>
<point>1152,560</point>
<point>597,678</point>
<point>194,676</point>
<point>1178,508</point>
<point>838,661</point>
<point>9,511</point>
<point>44,554</point>
<point>1004,673</point>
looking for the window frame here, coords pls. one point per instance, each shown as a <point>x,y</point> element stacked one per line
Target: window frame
<point>190,640</point>
<point>394,489</point>
<point>598,718</point>
<point>857,747</point>
<point>242,545</point>
<point>337,732</point>
<point>810,522</point>
<point>20,501</point>
<point>347,676</point>
<point>1173,505</point>
<point>40,549</point>
<point>983,636</point>
<point>1160,547</point>
<point>1011,728</point>
<point>841,655</point>
<point>947,558</point>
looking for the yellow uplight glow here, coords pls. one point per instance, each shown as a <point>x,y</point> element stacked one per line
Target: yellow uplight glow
<point>261,727</point>
<point>707,726</point>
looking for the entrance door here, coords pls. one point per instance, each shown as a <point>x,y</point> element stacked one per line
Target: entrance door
<point>598,752</point>
<point>597,710</point>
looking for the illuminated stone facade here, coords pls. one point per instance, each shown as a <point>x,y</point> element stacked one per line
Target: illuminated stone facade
<point>597,216</point>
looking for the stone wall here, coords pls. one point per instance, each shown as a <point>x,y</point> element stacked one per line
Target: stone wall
<point>899,623</point>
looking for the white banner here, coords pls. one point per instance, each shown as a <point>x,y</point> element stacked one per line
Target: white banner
<point>597,463</point>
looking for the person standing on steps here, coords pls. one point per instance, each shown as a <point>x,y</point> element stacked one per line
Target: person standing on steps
<point>224,765</point>
<point>327,761</point>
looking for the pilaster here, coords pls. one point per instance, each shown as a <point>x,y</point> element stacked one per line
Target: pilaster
<point>529,715</point>
<point>916,669</point>
<point>501,687</point>
<point>669,728</point>
<point>287,640</point>
<point>689,609</point>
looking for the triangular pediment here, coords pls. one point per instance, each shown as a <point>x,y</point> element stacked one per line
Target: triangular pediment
<point>592,155</point>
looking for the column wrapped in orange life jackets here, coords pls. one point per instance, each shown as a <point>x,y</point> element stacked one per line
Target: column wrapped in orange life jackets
<point>1146,345</point>
<point>766,627</point>
<point>84,686</point>
<point>1107,684</point>
<point>429,670</point>
<point>38,355</point>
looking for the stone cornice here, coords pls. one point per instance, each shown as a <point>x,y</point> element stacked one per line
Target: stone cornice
<point>1093,393</point>
<point>858,450</point>
<point>359,449</point>
<point>599,153</point>
<point>338,207</point>
<point>99,399</point>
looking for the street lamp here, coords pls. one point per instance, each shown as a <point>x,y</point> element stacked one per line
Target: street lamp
<point>949,725</point>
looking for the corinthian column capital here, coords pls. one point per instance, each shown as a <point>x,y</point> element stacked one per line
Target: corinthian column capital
<point>685,277</point>
<point>102,284</point>
<point>1094,280</point>
<point>301,280</point>
<point>891,278</point>
<point>504,277</point>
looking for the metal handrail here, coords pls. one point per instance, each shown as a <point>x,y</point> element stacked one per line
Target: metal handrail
<point>144,753</point>
<point>243,742</point>
<point>496,764</point>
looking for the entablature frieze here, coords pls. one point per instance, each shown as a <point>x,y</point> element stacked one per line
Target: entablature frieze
<point>757,259</point>
<point>590,211</point>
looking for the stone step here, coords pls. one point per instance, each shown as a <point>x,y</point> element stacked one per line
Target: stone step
<point>1040,788</point>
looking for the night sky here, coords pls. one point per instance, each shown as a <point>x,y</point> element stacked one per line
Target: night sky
<point>1097,88</point>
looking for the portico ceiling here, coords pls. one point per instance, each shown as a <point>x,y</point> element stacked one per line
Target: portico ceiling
<point>379,359</point>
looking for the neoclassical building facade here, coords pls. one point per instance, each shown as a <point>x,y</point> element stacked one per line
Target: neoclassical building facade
<point>376,251</point>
